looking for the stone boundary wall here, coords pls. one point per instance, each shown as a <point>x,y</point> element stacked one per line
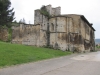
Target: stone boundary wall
<point>4,34</point>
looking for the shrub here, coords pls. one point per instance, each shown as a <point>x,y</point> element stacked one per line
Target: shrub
<point>44,11</point>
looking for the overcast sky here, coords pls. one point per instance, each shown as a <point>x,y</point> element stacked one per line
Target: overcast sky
<point>89,8</point>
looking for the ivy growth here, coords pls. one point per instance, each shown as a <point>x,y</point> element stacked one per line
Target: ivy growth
<point>9,34</point>
<point>44,11</point>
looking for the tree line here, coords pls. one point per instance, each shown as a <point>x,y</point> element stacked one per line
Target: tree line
<point>6,13</point>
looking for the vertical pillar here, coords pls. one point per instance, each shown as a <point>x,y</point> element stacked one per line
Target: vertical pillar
<point>48,35</point>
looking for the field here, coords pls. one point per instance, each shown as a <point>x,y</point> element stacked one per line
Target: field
<point>12,54</point>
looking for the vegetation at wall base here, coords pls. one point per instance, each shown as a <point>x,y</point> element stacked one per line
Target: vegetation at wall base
<point>97,48</point>
<point>9,37</point>
<point>12,54</point>
<point>9,34</point>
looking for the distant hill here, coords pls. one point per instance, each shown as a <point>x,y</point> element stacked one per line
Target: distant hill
<point>97,41</point>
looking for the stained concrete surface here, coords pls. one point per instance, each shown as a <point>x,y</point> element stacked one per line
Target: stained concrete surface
<point>76,64</point>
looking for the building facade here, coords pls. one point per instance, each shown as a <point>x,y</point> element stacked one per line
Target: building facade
<point>64,32</point>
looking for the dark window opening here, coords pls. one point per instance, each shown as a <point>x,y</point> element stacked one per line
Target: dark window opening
<point>52,26</point>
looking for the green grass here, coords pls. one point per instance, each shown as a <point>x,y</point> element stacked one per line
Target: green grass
<point>12,54</point>
<point>97,46</point>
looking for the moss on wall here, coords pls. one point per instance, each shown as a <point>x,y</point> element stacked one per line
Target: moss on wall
<point>44,11</point>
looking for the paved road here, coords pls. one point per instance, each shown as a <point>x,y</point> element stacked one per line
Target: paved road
<point>77,64</point>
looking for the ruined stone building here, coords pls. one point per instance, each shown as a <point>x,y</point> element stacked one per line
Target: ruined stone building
<point>64,32</point>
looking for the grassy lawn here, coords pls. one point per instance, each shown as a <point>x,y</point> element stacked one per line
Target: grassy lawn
<point>97,48</point>
<point>12,54</point>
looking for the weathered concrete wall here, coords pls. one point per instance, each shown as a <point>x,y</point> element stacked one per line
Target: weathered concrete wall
<point>75,23</point>
<point>59,32</point>
<point>61,24</point>
<point>82,39</point>
<point>49,9</point>
<point>41,19</point>
<point>61,35</point>
<point>52,24</point>
<point>53,11</point>
<point>31,35</point>
<point>38,17</point>
<point>4,34</point>
<point>43,38</point>
<point>16,35</point>
<point>56,11</point>
<point>57,41</point>
<point>26,34</point>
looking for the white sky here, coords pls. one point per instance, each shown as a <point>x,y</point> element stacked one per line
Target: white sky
<point>89,8</point>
